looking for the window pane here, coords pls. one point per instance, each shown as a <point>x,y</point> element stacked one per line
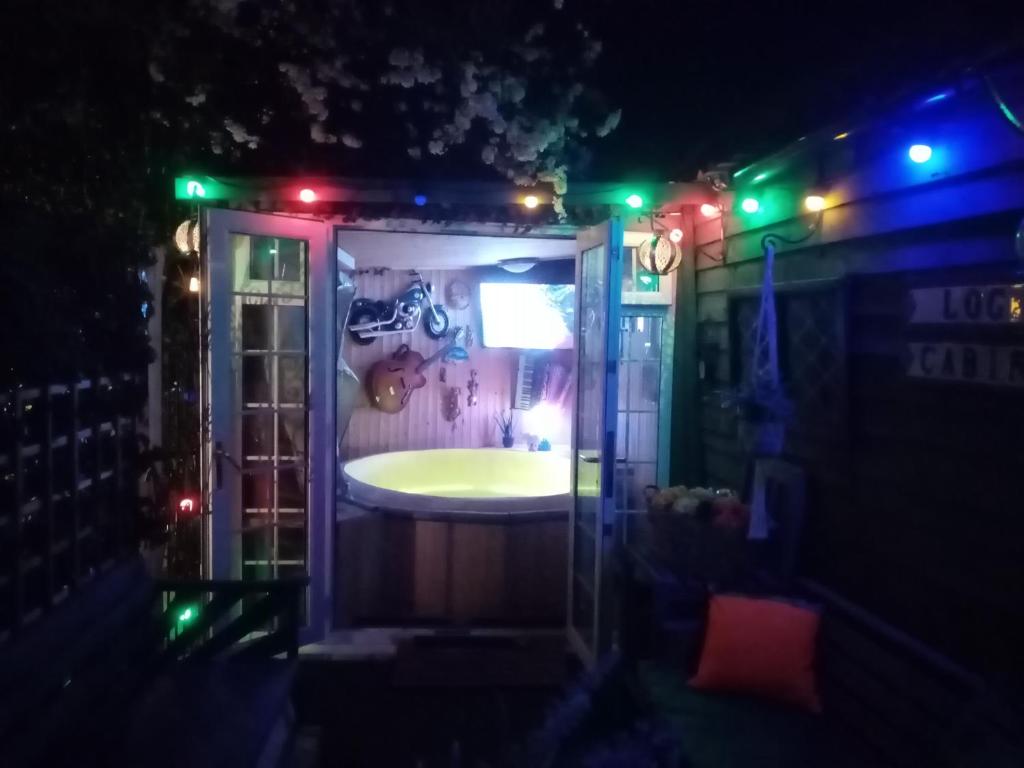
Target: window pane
<point>257,435</point>
<point>291,328</point>
<point>256,379</point>
<point>257,486</point>
<point>291,437</point>
<point>628,257</point>
<point>256,319</point>
<point>291,544</point>
<point>261,258</point>
<point>291,490</point>
<point>289,260</point>
<point>291,380</point>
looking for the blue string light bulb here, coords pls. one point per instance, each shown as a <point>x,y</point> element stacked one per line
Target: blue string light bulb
<point>920,153</point>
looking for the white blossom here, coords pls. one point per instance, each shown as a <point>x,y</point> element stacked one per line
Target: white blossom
<point>240,135</point>
<point>196,98</point>
<point>313,96</point>
<point>320,135</point>
<point>351,141</point>
<point>609,124</point>
<point>154,73</point>
<point>414,152</point>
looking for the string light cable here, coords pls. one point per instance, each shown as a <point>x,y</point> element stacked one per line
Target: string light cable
<point>1008,113</point>
<point>772,238</point>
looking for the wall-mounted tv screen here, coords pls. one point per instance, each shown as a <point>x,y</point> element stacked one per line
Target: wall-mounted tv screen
<point>527,315</point>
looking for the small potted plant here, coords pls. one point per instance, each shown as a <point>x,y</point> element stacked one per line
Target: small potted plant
<point>506,424</point>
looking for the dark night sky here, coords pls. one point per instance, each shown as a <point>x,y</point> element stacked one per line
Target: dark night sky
<point>703,82</point>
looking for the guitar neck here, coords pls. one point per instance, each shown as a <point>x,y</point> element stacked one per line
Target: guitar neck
<point>430,360</point>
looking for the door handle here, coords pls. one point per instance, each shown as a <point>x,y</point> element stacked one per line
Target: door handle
<point>219,456</point>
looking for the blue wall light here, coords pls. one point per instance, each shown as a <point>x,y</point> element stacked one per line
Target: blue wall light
<point>420,200</point>
<point>920,153</point>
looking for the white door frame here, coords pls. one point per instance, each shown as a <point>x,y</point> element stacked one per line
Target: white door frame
<point>222,552</point>
<point>609,234</point>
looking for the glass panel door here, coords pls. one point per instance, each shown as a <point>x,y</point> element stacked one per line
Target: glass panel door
<point>598,291</point>
<point>269,448</point>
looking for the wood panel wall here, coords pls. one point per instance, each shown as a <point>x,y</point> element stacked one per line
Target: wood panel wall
<point>422,424</point>
<point>915,494</point>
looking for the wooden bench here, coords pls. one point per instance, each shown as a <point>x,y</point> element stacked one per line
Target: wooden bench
<point>133,672</point>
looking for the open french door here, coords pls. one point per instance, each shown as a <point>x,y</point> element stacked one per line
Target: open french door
<point>599,265</point>
<point>269,458</point>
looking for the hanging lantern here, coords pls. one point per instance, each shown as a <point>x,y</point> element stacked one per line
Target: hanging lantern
<point>660,255</point>
<point>186,236</point>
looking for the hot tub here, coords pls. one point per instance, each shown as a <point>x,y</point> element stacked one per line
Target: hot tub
<point>461,481</point>
<point>465,537</point>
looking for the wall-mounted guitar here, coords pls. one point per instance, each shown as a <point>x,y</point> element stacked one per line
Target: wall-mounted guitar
<point>392,381</point>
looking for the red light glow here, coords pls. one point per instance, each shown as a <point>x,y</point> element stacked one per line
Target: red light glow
<point>307,195</point>
<point>186,506</point>
<point>709,210</point>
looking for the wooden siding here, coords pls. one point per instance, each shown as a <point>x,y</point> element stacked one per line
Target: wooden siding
<point>914,497</point>
<point>422,424</point>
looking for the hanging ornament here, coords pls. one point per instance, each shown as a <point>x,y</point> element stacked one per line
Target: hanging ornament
<point>186,236</point>
<point>458,294</point>
<point>471,387</point>
<point>452,407</point>
<point>659,255</point>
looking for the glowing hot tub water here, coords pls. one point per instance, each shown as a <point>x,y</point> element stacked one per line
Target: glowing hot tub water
<point>482,481</point>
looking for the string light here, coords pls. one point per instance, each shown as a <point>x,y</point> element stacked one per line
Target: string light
<point>814,203</point>
<point>709,210</point>
<point>634,201</point>
<point>750,205</point>
<point>307,195</point>
<point>420,200</point>
<point>676,235</point>
<point>531,201</point>
<point>193,284</point>
<point>920,153</point>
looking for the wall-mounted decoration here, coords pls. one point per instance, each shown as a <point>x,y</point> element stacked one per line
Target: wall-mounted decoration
<point>997,311</point>
<point>392,381</point>
<point>370,319</point>
<point>968,305</point>
<point>472,387</point>
<point>452,405</point>
<point>969,363</point>
<point>458,295</point>
<point>456,355</point>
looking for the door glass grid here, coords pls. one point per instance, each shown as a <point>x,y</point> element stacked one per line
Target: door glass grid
<point>637,434</point>
<point>269,342</point>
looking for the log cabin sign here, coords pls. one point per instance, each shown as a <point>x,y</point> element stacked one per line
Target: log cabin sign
<point>968,306</point>
<point>969,363</point>
<point>971,304</point>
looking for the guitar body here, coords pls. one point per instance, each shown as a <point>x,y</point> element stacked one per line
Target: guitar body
<point>392,381</point>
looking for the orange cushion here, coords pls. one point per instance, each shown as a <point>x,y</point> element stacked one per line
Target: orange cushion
<point>762,647</point>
